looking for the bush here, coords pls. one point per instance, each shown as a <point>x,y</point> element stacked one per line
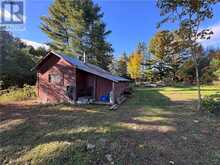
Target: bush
<point>19,94</point>
<point>212,103</point>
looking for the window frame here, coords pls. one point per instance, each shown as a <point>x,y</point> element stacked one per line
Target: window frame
<point>54,78</point>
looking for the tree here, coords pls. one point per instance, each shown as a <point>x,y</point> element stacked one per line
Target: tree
<point>39,52</point>
<point>166,53</point>
<point>215,64</point>
<point>64,37</point>
<point>119,67</point>
<point>75,27</point>
<point>122,65</point>
<point>16,61</point>
<point>207,68</point>
<point>214,55</point>
<point>134,65</point>
<point>142,49</point>
<point>148,75</point>
<point>159,45</point>
<point>113,67</point>
<point>190,15</point>
<point>100,50</point>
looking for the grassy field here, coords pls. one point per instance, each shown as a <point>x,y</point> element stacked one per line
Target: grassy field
<point>154,127</point>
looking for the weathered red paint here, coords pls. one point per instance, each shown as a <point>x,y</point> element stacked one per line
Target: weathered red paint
<point>50,92</point>
<point>85,83</point>
<point>103,87</point>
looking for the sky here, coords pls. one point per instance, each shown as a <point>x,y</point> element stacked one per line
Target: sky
<point>131,21</point>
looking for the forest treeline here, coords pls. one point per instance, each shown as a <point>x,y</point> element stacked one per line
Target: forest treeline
<point>17,60</point>
<point>153,62</point>
<point>77,27</point>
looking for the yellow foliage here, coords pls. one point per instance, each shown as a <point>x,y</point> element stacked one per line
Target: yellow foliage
<point>134,65</point>
<point>160,44</point>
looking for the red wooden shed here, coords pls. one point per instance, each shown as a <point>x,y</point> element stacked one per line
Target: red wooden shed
<point>61,78</point>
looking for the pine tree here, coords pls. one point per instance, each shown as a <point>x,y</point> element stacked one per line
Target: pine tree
<point>75,27</point>
<point>122,65</point>
<point>113,67</point>
<point>99,47</point>
<point>57,25</point>
<point>142,49</point>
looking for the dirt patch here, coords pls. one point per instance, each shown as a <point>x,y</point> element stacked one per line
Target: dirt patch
<point>150,128</point>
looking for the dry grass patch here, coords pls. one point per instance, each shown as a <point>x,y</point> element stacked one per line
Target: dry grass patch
<point>155,126</point>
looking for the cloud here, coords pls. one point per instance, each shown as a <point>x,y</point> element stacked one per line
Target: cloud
<point>215,38</point>
<point>35,44</point>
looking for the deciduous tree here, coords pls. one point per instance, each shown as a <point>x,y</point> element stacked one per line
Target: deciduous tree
<point>16,61</point>
<point>190,14</point>
<point>134,65</point>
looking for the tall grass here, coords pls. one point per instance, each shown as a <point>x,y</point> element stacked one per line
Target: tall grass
<point>18,94</point>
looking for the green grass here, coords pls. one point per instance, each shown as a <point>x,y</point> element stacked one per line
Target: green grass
<point>154,126</point>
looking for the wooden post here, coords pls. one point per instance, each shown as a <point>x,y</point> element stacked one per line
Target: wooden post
<point>74,93</point>
<point>74,86</point>
<point>38,85</point>
<point>113,92</point>
<point>94,88</point>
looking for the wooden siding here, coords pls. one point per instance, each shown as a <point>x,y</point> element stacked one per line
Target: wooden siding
<point>120,88</point>
<point>103,87</point>
<point>85,83</point>
<point>55,92</point>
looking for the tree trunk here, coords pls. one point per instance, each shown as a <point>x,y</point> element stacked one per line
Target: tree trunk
<point>174,76</point>
<point>196,64</point>
<point>198,87</point>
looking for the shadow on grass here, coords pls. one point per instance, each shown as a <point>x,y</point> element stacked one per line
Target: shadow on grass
<point>147,129</point>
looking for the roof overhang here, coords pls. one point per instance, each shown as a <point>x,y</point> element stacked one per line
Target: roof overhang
<point>83,66</point>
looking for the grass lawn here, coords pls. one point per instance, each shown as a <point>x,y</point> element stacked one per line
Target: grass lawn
<point>153,127</point>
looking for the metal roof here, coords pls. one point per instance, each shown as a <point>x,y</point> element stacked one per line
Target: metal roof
<point>90,68</point>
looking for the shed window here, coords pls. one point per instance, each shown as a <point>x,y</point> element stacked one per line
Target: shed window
<point>52,78</point>
<point>49,78</point>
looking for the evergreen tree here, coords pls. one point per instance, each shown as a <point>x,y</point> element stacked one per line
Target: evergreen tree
<point>142,49</point>
<point>100,52</point>
<point>122,65</point>
<point>160,48</point>
<point>62,14</point>
<point>75,27</point>
<point>166,48</point>
<point>113,67</point>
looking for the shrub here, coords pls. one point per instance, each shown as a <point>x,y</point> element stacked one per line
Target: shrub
<point>212,103</point>
<point>19,94</point>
